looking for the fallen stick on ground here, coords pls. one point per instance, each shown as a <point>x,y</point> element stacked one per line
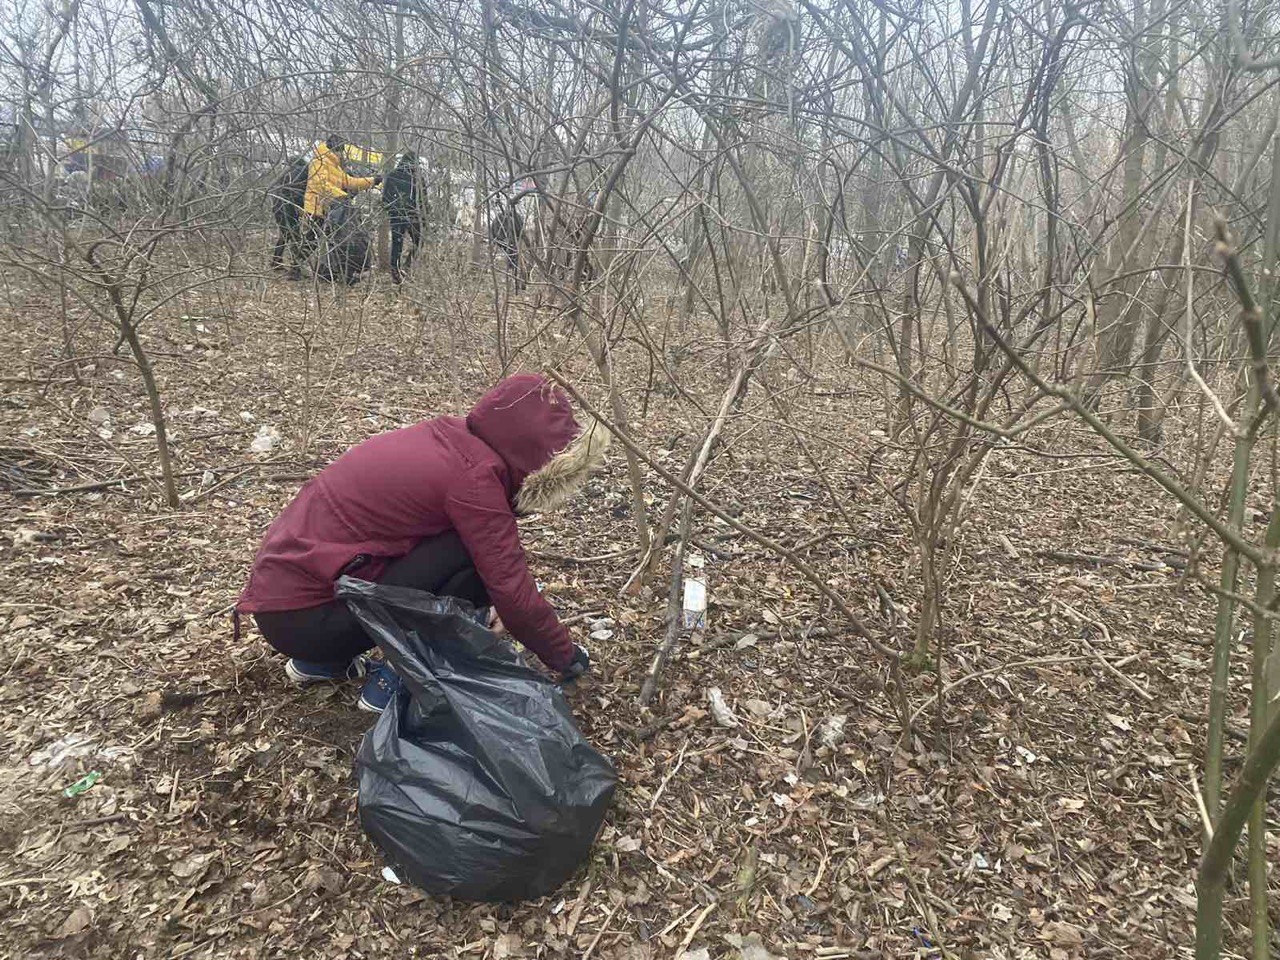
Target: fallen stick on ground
<point>603,928</point>
<point>566,558</point>
<point>697,925</point>
<point>1064,556</point>
<point>653,804</point>
<point>644,733</point>
<point>1039,662</point>
<point>1110,667</point>
<point>716,644</point>
<point>650,685</point>
<point>576,913</point>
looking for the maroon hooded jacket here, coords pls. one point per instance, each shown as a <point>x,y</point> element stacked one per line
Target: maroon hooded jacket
<point>383,496</point>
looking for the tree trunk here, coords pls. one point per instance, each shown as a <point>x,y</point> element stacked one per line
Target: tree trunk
<point>1224,627</point>
<point>1211,883</point>
<point>394,121</point>
<point>156,409</point>
<point>1119,313</point>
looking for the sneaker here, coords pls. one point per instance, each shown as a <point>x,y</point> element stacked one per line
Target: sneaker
<point>382,685</point>
<point>312,671</point>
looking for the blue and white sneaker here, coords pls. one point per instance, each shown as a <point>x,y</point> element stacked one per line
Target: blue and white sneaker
<point>313,671</point>
<point>382,685</point>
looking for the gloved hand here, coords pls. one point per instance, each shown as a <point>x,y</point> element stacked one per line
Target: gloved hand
<point>579,665</point>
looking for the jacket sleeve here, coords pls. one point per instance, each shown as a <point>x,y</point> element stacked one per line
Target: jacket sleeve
<point>478,508</point>
<point>355,184</point>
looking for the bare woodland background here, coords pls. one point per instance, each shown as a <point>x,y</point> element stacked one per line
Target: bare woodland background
<point>941,331</point>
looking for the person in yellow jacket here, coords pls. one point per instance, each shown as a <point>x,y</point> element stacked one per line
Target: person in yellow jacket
<point>327,181</point>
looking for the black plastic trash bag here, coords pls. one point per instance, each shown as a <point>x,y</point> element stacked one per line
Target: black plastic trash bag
<point>475,781</point>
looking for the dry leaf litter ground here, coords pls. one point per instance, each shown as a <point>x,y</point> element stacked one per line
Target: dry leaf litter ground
<point>1052,816</point>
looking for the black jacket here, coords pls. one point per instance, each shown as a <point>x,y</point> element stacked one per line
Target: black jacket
<point>402,194</point>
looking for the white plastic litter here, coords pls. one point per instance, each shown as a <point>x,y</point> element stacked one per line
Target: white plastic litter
<point>80,746</point>
<point>265,440</point>
<point>720,711</point>
<point>694,614</point>
<point>71,747</point>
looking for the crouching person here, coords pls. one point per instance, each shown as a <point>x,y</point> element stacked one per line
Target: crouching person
<point>432,506</point>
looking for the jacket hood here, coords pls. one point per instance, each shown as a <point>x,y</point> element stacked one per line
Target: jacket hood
<point>328,154</point>
<point>529,423</point>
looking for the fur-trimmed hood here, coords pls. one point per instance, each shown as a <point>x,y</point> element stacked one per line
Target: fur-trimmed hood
<point>529,423</point>
<point>547,489</point>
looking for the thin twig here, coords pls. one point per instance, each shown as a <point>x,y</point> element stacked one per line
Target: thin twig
<point>1188,348</point>
<point>19,881</point>
<point>94,821</point>
<point>576,913</point>
<point>676,922</point>
<point>657,794</point>
<point>1204,811</point>
<point>1110,667</point>
<point>1102,560</point>
<point>654,677</point>
<point>566,558</point>
<point>601,932</point>
<point>697,925</point>
<point>1038,662</point>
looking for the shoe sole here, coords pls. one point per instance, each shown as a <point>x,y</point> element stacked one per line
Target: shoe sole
<point>297,676</point>
<point>368,707</point>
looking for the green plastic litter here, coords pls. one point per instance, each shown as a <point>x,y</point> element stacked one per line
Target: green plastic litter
<point>83,784</point>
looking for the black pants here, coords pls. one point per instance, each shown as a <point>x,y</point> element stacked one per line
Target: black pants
<point>512,252</point>
<point>398,230</point>
<point>288,238</point>
<point>310,232</point>
<point>332,634</point>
